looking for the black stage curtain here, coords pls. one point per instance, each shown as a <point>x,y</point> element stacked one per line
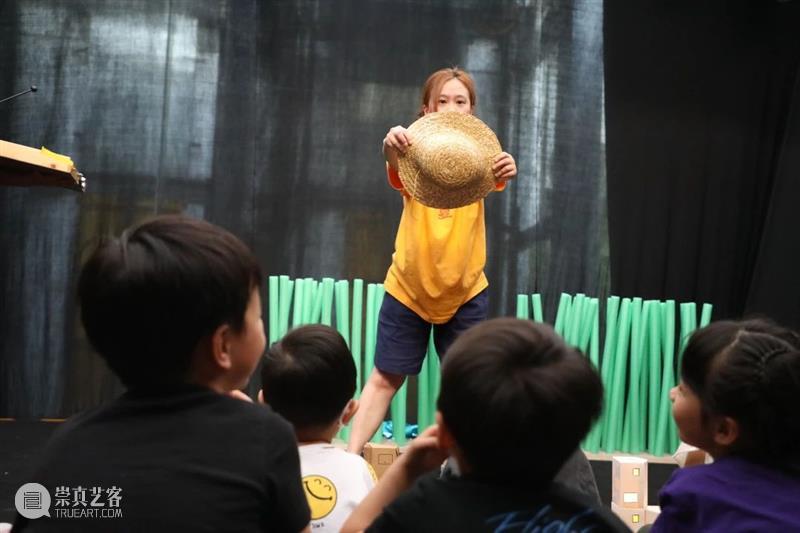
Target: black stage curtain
<point>267,118</point>
<point>703,153</point>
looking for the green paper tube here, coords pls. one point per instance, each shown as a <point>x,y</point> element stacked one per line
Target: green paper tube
<point>356,336</point>
<point>378,297</point>
<point>285,298</point>
<point>593,440</point>
<point>639,437</point>
<point>379,293</point>
<point>705,317</point>
<point>688,325</point>
<point>274,308</point>
<point>654,389</point>
<point>632,404</point>
<point>584,329</point>
<point>316,309</point>
<point>343,314</point>
<point>590,310</point>
<point>311,307</point>
<point>288,310</point>
<point>573,326</point>
<point>355,341</point>
<point>594,339</point>
<point>369,338</point>
<point>299,298</point>
<point>562,315</point>
<point>612,314</point>
<point>434,377</point>
<point>667,378</point>
<point>617,408</point>
<point>424,418</point>
<point>346,325</point>
<point>538,316</point>
<point>399,414</point>
<point>369,332</point>
<point>688,322</point>
<point>337,304</point>
<point>316,315</point>
<point>644,381</point>
<point>326,316</point>
<point>522,306</point>
<point>607,365</point>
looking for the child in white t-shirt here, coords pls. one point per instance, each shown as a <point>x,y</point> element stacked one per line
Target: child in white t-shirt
<point>309,378</point>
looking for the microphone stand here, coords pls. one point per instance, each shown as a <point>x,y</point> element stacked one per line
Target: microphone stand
<point>33,89</point>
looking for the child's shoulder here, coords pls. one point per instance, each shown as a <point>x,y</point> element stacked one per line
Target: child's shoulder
<point>330,457</point>
<point>722,476</point>
<point>690,477</point>
<point>330,452</point>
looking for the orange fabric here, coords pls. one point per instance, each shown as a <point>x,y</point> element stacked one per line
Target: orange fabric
<point>439,256</point>
<point>394,178</point>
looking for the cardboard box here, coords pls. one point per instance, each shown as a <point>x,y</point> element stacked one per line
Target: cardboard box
<point>633,518</point>
<point>380,456</point>
<point>629,482</point>
<point>651,512</point>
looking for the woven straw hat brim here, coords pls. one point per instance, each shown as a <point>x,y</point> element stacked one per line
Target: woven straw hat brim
<point>449,163</point>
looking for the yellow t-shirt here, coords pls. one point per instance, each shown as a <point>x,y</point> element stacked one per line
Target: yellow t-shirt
<point>439,256</point>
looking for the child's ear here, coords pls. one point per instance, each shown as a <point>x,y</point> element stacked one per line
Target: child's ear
<point>261,396</point>
<point>726,431</point>
<point>220,347</point>
<point>350,411</point>
<point>446,440</point>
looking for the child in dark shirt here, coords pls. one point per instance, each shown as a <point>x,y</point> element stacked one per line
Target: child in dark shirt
<point>173,308</point>
<point>515,402</point>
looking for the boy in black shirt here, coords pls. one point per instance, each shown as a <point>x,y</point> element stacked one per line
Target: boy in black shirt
<point>515,402</point>
<point>173,307</point>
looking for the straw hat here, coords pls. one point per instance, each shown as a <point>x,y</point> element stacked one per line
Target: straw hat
<point>449,163</point>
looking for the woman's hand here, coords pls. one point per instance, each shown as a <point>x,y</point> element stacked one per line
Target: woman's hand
<point>398,139</point>
<point>396,142</point>
<point>504,167</point>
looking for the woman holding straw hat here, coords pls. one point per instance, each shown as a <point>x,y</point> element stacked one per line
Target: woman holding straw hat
<point>444,165</point>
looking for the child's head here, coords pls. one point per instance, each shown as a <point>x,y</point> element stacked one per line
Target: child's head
<point>448,89</point>
<point>174,300</point>
<point>739,391</point>
<point>516,400</point>
<point>309,378</point>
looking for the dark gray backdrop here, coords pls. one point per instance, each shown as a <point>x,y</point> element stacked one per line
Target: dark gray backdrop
<point>267,118</point>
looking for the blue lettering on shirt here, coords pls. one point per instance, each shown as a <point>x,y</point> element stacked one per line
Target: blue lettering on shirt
<point>540,522</point>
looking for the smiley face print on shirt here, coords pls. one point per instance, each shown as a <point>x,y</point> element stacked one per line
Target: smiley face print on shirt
<point>321,495</point>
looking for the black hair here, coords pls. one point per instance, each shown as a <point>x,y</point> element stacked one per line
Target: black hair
<point>517,399</point>
<point>309,376</point>
<point>148,297</point>
<point>749,371</point>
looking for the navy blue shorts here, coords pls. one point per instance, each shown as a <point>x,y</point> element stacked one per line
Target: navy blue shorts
<point>403,336</point>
